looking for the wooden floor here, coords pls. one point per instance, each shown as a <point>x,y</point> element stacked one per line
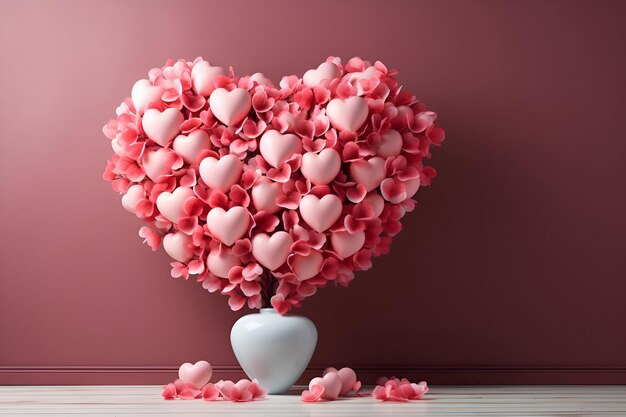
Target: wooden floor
<point>441,401</point>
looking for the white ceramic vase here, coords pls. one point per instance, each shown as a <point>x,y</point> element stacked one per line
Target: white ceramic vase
<point>273,348</point>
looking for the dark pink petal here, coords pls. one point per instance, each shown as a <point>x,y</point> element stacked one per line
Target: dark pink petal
<point>196,266</point>
<point>251,271</point>
<point>248,178</point>
<point>363,259</point>
<point>242,247</point>
<point>239,196</point>
<point>169,392</point>
<point>266,221</point>
<point>356,194</point>
<point>236,302</point>
<point>380,393</point>
<point>212,283</point>
<point>192,102</point>
<point>151,237</point>
<point>187,224</point>
<point>250,288</point>
<point>393,191</point>
<point>419,390</point>
<point>145,207</point>
<point>210,392</point>
<point>280,175</point>
<point>350,152</point>
<point>190,125</point>
<point>256,390</point>
<point>193,206</point>
<point>218,199</point>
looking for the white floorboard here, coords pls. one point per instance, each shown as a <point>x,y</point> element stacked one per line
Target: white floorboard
<point>455,401</point>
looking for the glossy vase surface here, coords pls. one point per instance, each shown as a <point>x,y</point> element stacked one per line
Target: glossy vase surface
<point>273,348</point>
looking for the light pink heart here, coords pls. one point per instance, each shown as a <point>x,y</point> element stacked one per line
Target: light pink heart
<point>119,150</point>
<point>189,146</point>
<point>331,383</point>
<point>411,187</point>
<point>276,148</point>
<point>230,107</point>
<point>271,251</point>
<point>260,78</point>
<point>163,126</point>
<point>202,76</point>
<point>325,71</point>
<point>355,77</point>
<point>307,266</point>
<point>228,226</point>
<point>156,163</point>
<point>220,173</point>
<point>320,213</point>
<point>346,244</point>
<point>349,114</point>
<point>171,205</point>
<point>321,168</point>
<point>199,373</point>
<point>134,194</point>
<point>264,195</point>
<point>376,201</point>
<point>144,93</point>
<point>370,172</point>
<point>348,379</point>
<point>220,262</point>
<point>179,246</point>
<point>390,145</point>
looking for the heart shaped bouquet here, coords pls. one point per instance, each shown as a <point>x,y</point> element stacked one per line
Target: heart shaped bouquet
<point>268,193</point>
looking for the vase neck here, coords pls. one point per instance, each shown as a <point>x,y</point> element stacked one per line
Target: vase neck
<point>267,311</point>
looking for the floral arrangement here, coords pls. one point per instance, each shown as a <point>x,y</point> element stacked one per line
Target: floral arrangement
<point>267,193</point>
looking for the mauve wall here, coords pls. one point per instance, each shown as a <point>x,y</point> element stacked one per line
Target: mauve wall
<point>511,270</point>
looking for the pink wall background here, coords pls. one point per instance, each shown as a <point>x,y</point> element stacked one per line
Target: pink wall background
<point>511,270</point>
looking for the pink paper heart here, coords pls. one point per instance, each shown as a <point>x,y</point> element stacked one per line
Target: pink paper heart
<point>179,246</point>
<point>331,384</point>
<point>163,126</point>
<point>189,146</point>
<point>276,148</point>
<point>325,71</point>
<point>220,262</point>
<point>199,373</point>
<point>307,266</point>
<point>271,251</point>
<point>349,114</point>
<point>228,226</point>
<point>390,145</point>
<point>222,173</point>
<point>370,172</point>
<point>230,107</point>
<point>320,213</point>
<point>144,93</point>
<point>171,205</point>
<point>321,168</point>
<point>264,195</point>
<point>346,244</point>
<point>203,75</point>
